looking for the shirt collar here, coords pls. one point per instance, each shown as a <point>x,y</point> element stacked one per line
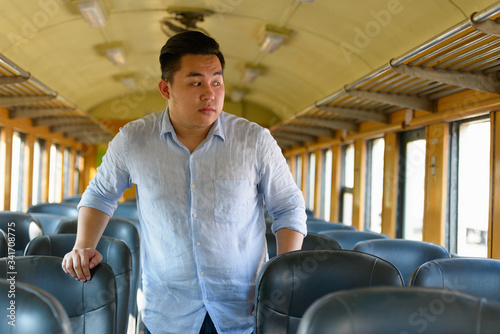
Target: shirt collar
<point>217,128</point>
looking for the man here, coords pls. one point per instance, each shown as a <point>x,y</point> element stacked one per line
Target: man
<point>201,177</point>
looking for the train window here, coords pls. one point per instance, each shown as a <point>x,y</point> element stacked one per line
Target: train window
<point>55,167</point>
<point>298,170</point>
<point>411,185</point>
<point>374,184</point>
<point>17,172</point>
<point>346,191</point>
<point>311,175</point>
<point>326,184</point>
<point>37,171</point>
<point>470,200</point>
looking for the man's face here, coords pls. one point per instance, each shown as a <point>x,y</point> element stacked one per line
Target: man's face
<point>196,95</point>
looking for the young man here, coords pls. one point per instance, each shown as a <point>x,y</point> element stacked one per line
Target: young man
<point>201,177</point>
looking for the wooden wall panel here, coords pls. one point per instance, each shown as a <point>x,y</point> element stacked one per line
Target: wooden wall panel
<point>6,139</point>
<point>494,216</point>
<point>336,182</point>
<point>358,201</point>
<point>436,176</point>
<point>391,177</point>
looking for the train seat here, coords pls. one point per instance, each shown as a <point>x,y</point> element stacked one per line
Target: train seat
<point>289,283</point>
<point>62,209</point>
<point>122,229</point>
<point>34,311</point>
<point>317,226</point>
<point>72,199</point>
<point>49,221</point>
<point>349,239</point>
<point>126,209</point>
<point>406,255</point>
<point>115,253</point>
<point>311,241</point>
<point>90,306</point>
<point>400,310</point>
<point>24,226</point>
<point>477,276</point>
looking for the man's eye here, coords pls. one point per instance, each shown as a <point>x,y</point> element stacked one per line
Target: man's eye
<point>197,84</point>
<point>217,83</point>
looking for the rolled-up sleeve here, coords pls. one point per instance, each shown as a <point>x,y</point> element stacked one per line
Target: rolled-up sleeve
<point>111,180</point>
<point>282,196</point>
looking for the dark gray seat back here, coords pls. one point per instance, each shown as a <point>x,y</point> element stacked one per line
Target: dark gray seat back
<point>406,255</point>
<point>289,283</point>
<point>90,306</point>
<point>349,239</point>
<point>391,310</point>
<point>115,253</point>
<point>476,276</point>
<point>311,242</point>
<point>34,311</point>
<point>122,229</point>
<point>21,226</point>
<point>61,209</point>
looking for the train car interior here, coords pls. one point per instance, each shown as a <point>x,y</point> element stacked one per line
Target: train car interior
<point>385,111</point>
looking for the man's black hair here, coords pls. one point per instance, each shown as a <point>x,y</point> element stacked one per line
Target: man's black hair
<point>189,42</point>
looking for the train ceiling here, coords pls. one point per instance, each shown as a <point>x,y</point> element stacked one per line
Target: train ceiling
<point>341,63</point>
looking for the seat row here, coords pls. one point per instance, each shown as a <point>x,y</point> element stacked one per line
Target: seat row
<point>406,255</point>
<point>345,291</point>
<point>119,247</point>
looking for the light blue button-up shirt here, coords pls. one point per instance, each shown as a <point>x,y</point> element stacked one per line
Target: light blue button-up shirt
<point>202,216</point>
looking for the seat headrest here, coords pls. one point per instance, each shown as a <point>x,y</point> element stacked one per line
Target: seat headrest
<point>476,276</point>
<point>401,310</point>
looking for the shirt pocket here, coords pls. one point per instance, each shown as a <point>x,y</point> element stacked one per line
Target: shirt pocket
<point>232,200</point>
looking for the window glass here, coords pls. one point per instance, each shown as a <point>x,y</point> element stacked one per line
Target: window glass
<point>55,185</point>
<point>375,184</point>
<point>37,172</point>
<point>473,188</point>
<point>347,184</point>
<point>414,191</point>
<point>17,173</point>
<point>311,175</point>
<point>298,170</point>
<point>410,206</point>
<point>326,184</point>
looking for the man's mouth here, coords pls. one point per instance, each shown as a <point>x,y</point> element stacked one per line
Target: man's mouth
<point>207,110</point>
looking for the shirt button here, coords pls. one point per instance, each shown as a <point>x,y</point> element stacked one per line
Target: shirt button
<point>197,244</point>
<point>195,215</point>
<point>192,186</point>
<point>202,273</point>
<point>191,156</point>
<point>206,301</point>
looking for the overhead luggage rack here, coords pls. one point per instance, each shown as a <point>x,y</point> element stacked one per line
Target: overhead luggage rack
<point>26,97</point>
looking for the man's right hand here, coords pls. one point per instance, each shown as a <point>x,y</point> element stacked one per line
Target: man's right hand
<point>78,263</point>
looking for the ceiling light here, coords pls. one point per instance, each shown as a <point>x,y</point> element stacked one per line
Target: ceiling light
<point>114,51</point>
<point>251,72</point>
<point>93,12</point>
<point>272,38</point>
<point>237,94</point>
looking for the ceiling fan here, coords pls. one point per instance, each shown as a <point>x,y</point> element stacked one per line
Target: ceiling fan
<point>184,19</point>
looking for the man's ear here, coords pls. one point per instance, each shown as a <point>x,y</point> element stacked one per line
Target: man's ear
<point>164,88</point>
